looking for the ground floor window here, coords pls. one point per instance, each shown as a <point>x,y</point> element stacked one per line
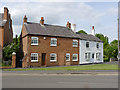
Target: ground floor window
<point>75,57</point>
<point>67,56</point>
<point>87,56</point>
<point>53,57</point>
<point>34,57</point>
<point>97,56</point>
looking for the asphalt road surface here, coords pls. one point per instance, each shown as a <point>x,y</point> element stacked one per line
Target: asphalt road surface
<point>36,80</point>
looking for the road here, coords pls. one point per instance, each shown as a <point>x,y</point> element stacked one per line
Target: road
<point>37,80</point>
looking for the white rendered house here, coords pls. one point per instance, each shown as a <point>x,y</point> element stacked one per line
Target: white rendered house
<point>90,49</point>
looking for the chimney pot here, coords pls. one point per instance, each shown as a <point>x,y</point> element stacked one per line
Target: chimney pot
<point>25,19</point>
<point>68,25</point>
<point>6,13</point>
<point>42,21</point>
<point>93,31</point>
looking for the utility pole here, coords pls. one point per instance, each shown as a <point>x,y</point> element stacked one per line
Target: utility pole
<point>118,41</point>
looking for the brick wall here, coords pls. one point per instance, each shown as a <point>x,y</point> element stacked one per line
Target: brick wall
<point>0,52</point>
<point>64,45</point>
<point>8,34</point>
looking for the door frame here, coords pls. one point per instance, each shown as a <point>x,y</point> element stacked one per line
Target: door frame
<point>42,59</point>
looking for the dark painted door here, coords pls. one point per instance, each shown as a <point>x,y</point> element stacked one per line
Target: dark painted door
<point>43,58</point>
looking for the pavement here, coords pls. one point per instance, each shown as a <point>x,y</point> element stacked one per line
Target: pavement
<point>93,72</point>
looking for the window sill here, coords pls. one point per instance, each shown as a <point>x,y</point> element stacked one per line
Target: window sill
<point>74,60</point>
<point>34,61</point>
<point>34,44</point>
<point>53,45</point>
<point>75,46</point>
<point>53,60</point>
<point>67,60</point>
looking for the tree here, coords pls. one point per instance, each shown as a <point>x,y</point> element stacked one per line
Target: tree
<point>9,49</point>
<point>104,39</point>
<point>81,31</point>
<point>110,50</point>
<point>105,46</point>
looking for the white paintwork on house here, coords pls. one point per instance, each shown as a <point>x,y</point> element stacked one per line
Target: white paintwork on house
<point>92,50</point>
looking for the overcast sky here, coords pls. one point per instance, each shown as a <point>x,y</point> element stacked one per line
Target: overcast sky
<point>102,15</point>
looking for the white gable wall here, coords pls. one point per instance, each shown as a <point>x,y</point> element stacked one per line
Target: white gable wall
<point>92,49</point>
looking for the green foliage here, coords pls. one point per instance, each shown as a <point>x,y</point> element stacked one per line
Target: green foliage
<point>9,49</point>
<point>104,39</point>
<point>82,31</point>
<point>110,50</point>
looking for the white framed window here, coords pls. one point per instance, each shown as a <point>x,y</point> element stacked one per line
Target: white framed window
<point>87,44</point>
<point>53,57</point>
<point>34,40</point>
<point>34,57</point>
<point>53,42</point>
<point>97,56</point>
<point>87,56</point>
<point>75,57</point>
<point>75,43</point>
<point>67,56</point>
<point>97,45</point>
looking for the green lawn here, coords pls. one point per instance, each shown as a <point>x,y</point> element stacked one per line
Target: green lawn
<point>82,67</point>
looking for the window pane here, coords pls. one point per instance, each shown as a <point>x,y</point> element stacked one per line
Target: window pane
<point>52,56</point>
<point>87,44</point>
<point>97,45</point>
<point>67,56</point>
<point>75,43</point>
<point>34,57</point>
<point>74,56</point>
<point>53,41</point>
<point>34,40</point>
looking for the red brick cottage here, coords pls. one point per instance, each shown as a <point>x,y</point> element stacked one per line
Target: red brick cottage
<point>6,33</point>
<point>48,45</point>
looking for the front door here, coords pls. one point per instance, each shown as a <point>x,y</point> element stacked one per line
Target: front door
<point>43,58</point>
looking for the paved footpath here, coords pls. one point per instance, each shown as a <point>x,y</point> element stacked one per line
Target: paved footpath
<point>65,72</point>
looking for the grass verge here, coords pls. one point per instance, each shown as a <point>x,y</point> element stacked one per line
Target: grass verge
<point>80,67</point>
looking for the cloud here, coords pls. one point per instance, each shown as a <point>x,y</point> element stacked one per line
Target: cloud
<point>82,14</point>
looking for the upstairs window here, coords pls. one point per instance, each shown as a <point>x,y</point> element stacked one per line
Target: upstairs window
<point>34,57</point>
<point>67,56</point>
<point>53,57</point>
<point>87,56</point>
<point>97,45</point>
<point>75,43</point>
<point>97,56</point>
<point>87,44</point>
<point>53,42</point>
<point>34,41</point>
<point>75,57</point>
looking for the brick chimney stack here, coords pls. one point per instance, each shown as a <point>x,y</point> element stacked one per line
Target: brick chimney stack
<point>68,25</point>
<point>93,27</point>
<point>6,11</point>
<point>25,19</point>
<point>42,21</point>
